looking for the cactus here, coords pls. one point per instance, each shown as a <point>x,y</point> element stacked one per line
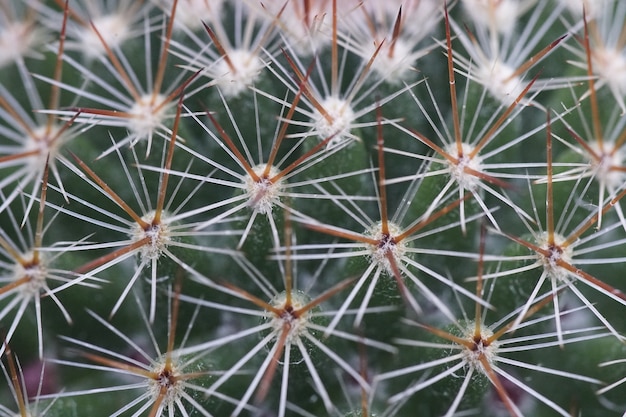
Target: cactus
<point>312,208</point>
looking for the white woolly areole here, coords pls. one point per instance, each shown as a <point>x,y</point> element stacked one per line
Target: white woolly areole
<point>386,245</point>
<point>457,170</point>
<point>36,273</point>
<point>297,324</point>
<point>158,234</point>
<point>16,40</point>
<point>500,80</point>
<point>556,252</point>
<point>613,179</point>
<point>481,348</point>
<point>393,69</point>
<point>263,194</point>
<point>247,68</point>
<point>305,38</point>
<point>148,114</point>
<point>340,124</point>
<point>44,140</point>
<point>113,28</point>
<point>168,378</point>
<point>592,7</point>
<point>500,15</point>
<point>191,13</point>
<point>610,65</point>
